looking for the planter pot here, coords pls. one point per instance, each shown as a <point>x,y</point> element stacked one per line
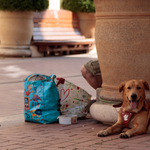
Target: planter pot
<point>16,30</point>
<point>87,24</point>
<point>122,38</point>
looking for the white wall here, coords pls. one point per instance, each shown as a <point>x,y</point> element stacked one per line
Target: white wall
<point>54,4</point>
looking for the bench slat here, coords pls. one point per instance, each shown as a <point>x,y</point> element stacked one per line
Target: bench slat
<point>56,33</point>
<point>56,29</point>
<point>65,14</point>
<point>55,20</point>
<point>64,42</point>
<point>57,25</point>
<point>47,37</point>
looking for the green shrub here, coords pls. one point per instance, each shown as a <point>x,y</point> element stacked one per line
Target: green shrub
<point>24,5</point>
<point>79,5</point>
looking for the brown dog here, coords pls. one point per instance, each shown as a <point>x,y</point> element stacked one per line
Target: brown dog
<point>135,111</point>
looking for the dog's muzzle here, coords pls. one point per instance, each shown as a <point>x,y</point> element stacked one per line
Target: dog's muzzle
<point>133,96</point>
<point>133,101</point>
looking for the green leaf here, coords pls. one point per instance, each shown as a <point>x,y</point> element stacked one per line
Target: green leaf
<point>79,5</point>
<point>24,5</point>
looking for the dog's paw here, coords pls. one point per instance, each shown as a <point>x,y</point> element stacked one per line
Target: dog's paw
<point>102,133</point>
<point>124,135</point>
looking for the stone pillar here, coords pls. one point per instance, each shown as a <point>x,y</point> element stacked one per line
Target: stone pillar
<point>123,43</point>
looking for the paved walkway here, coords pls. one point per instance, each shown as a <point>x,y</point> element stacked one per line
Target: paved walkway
<point>15,134</point>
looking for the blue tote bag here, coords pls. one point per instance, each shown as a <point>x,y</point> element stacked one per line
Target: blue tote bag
<point>41,99</point>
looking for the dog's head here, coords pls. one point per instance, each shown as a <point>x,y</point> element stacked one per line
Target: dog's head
<point>133,94</point>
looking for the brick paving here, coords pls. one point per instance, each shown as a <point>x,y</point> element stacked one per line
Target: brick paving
<point>71,137</point>
<point>16,134</point>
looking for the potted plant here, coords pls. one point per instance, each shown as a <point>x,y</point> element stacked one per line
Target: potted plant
<point>86,13</point>
<point>16,25</point>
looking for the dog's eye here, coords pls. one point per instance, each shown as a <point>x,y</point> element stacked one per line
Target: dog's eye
<point>138,87</point>
<point>128,87</point>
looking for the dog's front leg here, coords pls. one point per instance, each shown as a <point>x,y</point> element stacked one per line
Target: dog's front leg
<point>136,130</point>
<point>116,128</point>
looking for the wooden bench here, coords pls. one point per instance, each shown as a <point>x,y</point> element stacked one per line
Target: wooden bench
<point>58,31</point>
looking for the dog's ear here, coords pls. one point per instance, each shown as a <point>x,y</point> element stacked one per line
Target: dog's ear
<point>146,85</point>
<point>121,86</point>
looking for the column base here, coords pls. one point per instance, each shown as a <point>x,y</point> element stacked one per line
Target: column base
<point>104,113</point>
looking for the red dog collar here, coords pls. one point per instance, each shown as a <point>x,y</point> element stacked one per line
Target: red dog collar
<point>126,116</point>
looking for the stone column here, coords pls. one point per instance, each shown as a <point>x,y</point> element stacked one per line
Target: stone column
<point>122,42</point>
<point>122,37</point>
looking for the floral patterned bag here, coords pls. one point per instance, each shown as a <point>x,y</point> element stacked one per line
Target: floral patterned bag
<point>74,100</point>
